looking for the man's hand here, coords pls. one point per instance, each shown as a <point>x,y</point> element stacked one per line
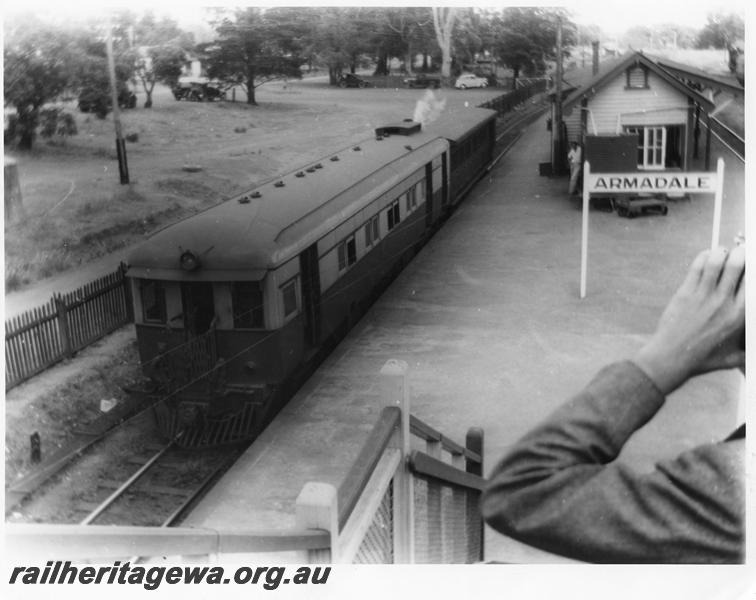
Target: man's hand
<point>703,327</point>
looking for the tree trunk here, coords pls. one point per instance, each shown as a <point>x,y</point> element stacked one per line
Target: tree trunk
<point>148,92</point>
<point>27,124</point>
<point>381,64</point>
<point>443,23</point>
<point>251,87</point>
<point>333,74</point>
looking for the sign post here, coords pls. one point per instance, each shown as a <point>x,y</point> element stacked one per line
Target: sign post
<point>692,182</point>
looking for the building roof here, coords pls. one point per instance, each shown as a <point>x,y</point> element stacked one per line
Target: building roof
<point>593,85</point>
<point>698,76</point>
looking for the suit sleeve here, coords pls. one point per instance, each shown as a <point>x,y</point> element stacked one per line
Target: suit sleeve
<point>561,489</point>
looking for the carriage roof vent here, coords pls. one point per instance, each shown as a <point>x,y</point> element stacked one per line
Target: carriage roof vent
<point>406,127</point>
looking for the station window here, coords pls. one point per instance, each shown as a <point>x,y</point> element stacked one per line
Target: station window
<point>289,294</point>
<point>347,253</point>
<point>153,301</point>
<point>652,145</point>
<point>392,215</point>
<point>247,305</point>
<point>371,231</point>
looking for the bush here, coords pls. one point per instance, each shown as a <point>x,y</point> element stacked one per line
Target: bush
<point>56,121</point>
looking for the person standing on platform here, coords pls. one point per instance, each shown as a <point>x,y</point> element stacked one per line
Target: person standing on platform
<point>561,488</point>
<point>575,158</point>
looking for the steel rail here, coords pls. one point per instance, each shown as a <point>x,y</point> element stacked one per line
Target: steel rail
<point>125,486</point>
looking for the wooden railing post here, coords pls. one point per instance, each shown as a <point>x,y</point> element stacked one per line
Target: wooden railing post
<point>63,327</point>
<point>317,508</point>
<point>434,504</point>
<point>396,393</point>
<point>474,443</point>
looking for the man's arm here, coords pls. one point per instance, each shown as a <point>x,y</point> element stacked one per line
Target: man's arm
<point>559,489</point>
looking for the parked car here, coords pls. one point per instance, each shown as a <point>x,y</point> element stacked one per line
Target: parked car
<point>470,80</point>
<point>198,89</point>
<point>351,80</point>
<point>423,81</point>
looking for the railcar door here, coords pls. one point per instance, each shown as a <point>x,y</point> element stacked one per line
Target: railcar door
<point>429,195</point>
<point>199,307</point>
<point>309,269</point>
<point>445,181</point>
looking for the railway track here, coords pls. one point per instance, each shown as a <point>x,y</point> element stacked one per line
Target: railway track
<point>162,486</point>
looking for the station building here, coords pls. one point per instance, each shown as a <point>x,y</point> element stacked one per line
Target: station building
<point>640,114</point>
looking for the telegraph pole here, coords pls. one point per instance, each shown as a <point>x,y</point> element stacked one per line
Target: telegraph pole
<point>557,157</point>
<point>123,167</point>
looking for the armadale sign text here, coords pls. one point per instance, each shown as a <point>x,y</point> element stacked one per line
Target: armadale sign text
<point>652,182</point>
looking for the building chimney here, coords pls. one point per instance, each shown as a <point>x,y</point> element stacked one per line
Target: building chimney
<point>595,46</point>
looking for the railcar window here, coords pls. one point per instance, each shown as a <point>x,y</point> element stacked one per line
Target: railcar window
<point>411,199</point>
<point>392,215</point>
<point>247,304</point>
<point>289,293</point>
<point>153,302</point>
<point>347,253</point>
<point>371,231</point>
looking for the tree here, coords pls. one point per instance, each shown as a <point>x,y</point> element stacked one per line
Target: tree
<point>36,71</point>
<point>444,19</point>
<point>249,51</point>
<point>341,37</point>
<point>161,63</point>
<point>722,30</point>
<point>409,25</point>
<point>90,72</point>
<point>525,38</point>
<point>158,49</point>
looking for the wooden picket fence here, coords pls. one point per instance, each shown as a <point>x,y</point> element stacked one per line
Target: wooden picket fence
<point>43,336</point>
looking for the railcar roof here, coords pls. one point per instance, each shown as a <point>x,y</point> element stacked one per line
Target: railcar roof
<point>246,235</point>
<point>456,123</point>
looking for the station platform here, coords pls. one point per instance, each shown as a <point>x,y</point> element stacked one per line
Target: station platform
<point>488,317</point>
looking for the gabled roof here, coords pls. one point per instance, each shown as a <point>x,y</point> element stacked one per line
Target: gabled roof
<point>592,86</point>
<point>703,78</point>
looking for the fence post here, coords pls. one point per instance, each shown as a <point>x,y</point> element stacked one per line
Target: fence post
<point>396,392</point>
<point>63,328</point>
<point>474,443</point>
<point>317,508</point>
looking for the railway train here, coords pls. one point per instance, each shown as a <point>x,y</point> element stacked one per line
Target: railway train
<point>233,305</point>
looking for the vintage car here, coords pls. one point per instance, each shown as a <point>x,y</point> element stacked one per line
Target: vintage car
<point>351,80</point>
<point>423,81</point>
<point>470,80</point>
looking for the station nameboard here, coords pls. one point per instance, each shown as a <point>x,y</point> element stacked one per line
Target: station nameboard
<point>689,182</point>
<point>608,184</point>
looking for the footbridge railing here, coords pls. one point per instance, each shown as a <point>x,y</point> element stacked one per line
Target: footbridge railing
<point>410,496</point>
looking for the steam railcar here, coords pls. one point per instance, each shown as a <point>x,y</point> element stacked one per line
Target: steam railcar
<point>234,304</point>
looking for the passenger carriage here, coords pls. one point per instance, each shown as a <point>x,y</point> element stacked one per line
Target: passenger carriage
<point>234,304</point>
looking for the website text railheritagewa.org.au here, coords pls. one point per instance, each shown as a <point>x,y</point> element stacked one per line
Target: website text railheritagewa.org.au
<point>151,577</point>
